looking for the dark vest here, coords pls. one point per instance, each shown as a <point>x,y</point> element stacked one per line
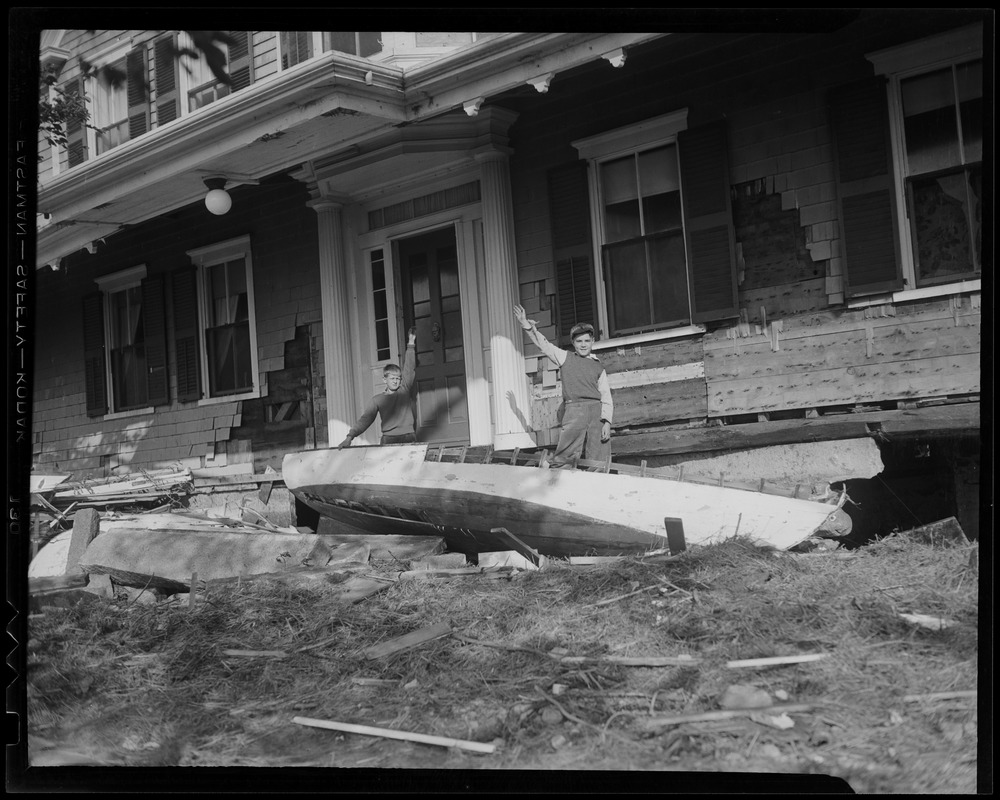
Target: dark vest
<point>579,378</point>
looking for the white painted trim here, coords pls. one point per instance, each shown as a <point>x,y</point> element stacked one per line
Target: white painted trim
<point>650,132</point>
<point>135,412</point>
<point>469,235</point>
<point>929,53</point>
<point>124,279</point>
<point>652,336</point>
<point>942,290</point>
<point>229,398</point>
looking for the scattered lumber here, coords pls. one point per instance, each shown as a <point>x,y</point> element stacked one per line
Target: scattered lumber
<point>775,660</point>
<point>654,723</point>
<point>388,733</point>
<point>529,553</point>
<point>410,640</point>
<point>943,533</point>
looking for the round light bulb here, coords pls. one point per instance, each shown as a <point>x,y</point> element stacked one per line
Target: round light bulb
<point>218,201</point>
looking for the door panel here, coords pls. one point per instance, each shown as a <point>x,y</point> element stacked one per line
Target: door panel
<point>432,303</point>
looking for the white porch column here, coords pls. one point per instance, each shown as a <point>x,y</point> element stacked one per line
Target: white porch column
<point>511,402</point>
<point>335,304</point>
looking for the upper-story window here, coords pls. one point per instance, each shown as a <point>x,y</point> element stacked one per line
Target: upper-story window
<point>296,47</point>
<point>202,86</point>
<point>110,107</point>
<point>357,43</point>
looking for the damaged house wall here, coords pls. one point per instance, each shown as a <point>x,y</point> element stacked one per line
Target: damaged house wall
<point>794,351</point>
<point>203,432</point>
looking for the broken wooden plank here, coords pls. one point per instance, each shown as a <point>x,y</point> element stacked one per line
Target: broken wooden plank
<point>256,653</point>
<point>775,660</point>
<point>388,733</point>
<point>943,533</point>
<point>409,640</point>
<point>963,693</point>
<point>51,583</point>
<point>528,552</point>
<point>653,723</point>
<point>264,493</point>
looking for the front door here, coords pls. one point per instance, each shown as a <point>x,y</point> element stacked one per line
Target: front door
<point>428,267</point>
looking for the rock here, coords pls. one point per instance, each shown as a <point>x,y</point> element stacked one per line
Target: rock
<point>101,586</point>
<point>551,715</point>
<point>740,695</point>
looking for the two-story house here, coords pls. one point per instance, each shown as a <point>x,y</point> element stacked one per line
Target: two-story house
<point>778,234</point>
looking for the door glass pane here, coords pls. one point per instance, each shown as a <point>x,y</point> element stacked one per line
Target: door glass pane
<point>930,121</point>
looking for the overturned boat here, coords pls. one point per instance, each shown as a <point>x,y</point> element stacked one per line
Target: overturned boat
<point>474,500</point>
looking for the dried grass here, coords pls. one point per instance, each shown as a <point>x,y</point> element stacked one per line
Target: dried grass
<point>152,684</point>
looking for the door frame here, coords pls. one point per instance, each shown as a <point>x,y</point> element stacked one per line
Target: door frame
<point>467,224</point>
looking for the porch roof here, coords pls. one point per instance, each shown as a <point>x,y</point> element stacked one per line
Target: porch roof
<point>327,105</point>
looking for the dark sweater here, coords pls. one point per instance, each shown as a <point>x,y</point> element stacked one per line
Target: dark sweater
<point>394,408</point>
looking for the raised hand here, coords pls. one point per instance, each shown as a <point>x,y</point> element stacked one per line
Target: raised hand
<point>522,317</point>
<point>412,333</point>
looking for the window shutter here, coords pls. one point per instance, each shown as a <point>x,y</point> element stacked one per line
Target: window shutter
<point>95,374</point>
<point>858,114</point>
<point>708,222</point>
<point>138,92</point>
<point>167,89</point>
<point>239,60</point>
<point>76,132</point>
<point>155,330</point>
<point>186,333</point>
<point>569,212</point>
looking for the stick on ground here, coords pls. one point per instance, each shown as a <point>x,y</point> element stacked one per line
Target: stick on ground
<point>388,733</point>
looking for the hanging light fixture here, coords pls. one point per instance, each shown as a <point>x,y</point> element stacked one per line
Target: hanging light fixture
<point>217,200</point>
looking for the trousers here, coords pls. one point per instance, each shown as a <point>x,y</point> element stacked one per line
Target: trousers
<point>580,436</point>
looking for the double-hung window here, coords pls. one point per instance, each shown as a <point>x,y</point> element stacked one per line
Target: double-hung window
<point>110,105</point>
<point>357,43</point>
<point>660,226</point>
<point>642,248</point>
<point>935,115</point>
<point>203,87</point>
<point>227,332</point>
<point>124,338</point>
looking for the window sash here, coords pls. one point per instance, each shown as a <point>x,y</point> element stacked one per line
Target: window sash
<point>945,212</point>
<point>127,351</point>
<point>646,279</point>
<point>642,248</point>
<point>111,110</point>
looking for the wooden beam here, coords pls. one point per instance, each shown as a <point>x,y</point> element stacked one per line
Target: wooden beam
<point>933,419</point>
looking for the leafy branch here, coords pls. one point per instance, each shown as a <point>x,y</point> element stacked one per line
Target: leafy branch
<point>58,107</point>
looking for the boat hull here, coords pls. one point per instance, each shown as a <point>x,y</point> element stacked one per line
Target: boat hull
<point>394,490</point>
